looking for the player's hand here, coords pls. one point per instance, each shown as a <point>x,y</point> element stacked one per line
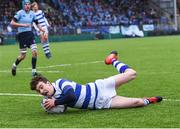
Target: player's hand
<point>49,103</point>
<point>26,25</point>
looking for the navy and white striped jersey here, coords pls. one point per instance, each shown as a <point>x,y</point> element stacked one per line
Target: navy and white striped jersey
<point>86,95</point>
<point>42,21</point>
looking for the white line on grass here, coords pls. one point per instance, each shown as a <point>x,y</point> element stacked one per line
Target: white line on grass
<point>36,95</point>
<point>64,65</point>
<point>176,100</point>
<point>18,94</point>
<point>50,66</point>
<point>28,71</point>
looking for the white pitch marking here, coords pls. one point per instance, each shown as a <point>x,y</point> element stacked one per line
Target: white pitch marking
<point>26,71</point>
<point>18,94</point>
<point>176,100</point>
<point>51,66</point>
<point>64,65</point>
<point>36,95</point>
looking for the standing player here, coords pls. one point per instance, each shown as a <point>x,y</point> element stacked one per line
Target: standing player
<point>100,94</point>
<point>42,21</point>
<point>23,20</point>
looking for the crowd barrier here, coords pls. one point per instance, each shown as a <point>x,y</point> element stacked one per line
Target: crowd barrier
<point>106,32</point>
<point>62,38</point>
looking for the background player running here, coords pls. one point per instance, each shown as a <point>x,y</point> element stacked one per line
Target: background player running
<point>42,21</point>
<point>23,20</point>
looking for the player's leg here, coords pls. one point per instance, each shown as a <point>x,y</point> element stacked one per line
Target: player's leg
<point>125,77</point>
<point>45,45</point>
<point>34,59</point>
<point>22,55</point>
<point>18,60</point>
<point>126,73</point>
<point>125,102</point>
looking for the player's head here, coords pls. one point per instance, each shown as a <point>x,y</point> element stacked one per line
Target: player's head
<point>26,4</point>
<point>34,6</point>
<point>42,86</point>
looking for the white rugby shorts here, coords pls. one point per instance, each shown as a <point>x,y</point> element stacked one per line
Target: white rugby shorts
<point>106,90</point>
<point>45,29</point>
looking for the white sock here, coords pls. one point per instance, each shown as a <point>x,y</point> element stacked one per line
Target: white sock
<point>33,70</point>
<point>14,65</point>
<point>146,102</point>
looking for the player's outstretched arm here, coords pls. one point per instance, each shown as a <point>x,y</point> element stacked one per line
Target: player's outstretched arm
<point>15,24</point>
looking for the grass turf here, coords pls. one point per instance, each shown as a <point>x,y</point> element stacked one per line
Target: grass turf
<point>156,60</point>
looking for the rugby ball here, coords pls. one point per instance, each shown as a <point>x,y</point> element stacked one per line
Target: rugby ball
<point>56,109</point>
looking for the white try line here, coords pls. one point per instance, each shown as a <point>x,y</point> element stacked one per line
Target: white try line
<point>19,94</point>
<point>36,95</point>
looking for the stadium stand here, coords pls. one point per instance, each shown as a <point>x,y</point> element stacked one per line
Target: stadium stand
<point>92,16</point>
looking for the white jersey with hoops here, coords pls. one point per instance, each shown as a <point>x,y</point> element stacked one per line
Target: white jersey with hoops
<point>42,21</point>
<point>94,95</point>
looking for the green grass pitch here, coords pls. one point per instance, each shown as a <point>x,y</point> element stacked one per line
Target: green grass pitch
<point>156,60</point>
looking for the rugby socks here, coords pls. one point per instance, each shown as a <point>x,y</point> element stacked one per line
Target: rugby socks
<point>33,71</point>
<point>121,67</point>
<point>13,70</point>
<point>17,62</point>
<point>146,102</point>
<point>34,60</point>
<point>46,49</point>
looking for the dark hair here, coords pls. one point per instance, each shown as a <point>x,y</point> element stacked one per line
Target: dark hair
<point>36,80</point>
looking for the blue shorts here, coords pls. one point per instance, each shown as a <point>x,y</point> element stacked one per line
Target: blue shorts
<point>26,39</point>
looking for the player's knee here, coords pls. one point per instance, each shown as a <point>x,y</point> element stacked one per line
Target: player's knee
<point>44,38</point>
<point>132,73</point>
<point>22,56</point>
<point>34,53</point>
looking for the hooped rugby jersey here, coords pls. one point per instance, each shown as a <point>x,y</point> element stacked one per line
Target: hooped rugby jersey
<point>86,95</point>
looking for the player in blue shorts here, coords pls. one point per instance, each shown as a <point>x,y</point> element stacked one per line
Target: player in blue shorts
<point>100,94</point>
<point>23,20</point>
